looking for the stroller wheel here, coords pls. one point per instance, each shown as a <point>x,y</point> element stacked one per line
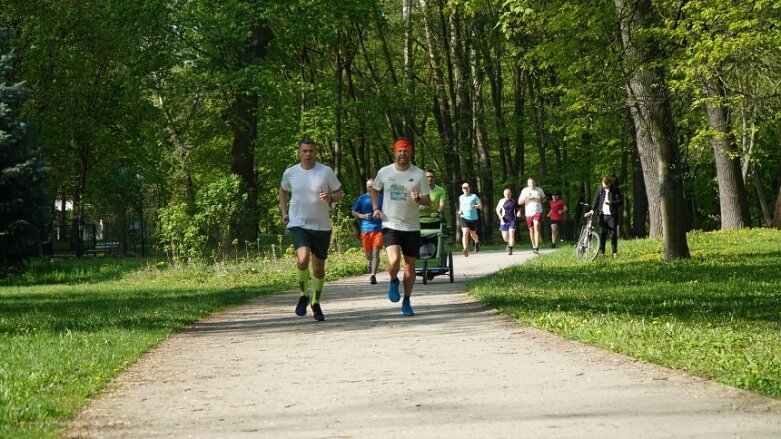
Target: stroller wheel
<point>450,265</point>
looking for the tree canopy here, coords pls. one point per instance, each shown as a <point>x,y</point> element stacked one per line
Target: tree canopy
<point>143,108</point>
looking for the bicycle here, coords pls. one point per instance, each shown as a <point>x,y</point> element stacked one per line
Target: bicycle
<point>589,242</point>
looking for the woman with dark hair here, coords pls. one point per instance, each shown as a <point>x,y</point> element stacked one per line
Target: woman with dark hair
<point>607,204</point>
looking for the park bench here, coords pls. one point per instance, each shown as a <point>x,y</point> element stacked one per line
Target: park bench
<point>107,248</point>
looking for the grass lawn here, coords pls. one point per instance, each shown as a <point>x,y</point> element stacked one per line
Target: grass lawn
<point>717,315</point>
<point>68,327</point>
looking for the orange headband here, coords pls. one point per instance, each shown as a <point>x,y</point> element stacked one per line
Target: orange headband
<point>403,143</point>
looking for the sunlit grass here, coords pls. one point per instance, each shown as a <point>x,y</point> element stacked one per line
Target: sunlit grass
<point>716,315</point>
<point>68,327</point>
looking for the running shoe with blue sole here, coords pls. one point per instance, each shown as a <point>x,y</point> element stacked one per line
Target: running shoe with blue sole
<point>393,291</point>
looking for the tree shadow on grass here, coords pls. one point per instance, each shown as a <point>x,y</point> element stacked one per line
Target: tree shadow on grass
<point>42,272</point>
<point>92,310</point>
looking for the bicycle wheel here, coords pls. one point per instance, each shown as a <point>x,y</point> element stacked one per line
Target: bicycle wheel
<point>592,249</point>
<point>581,247</point>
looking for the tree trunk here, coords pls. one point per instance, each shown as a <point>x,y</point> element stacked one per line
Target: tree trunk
<point>339,66</point>
<point>519,164</point>
<point>649,103</point>
<point>245,128</point>
<point>481,140</point>
<point>442,109</point>
<point>493,70</point>
<point>538,118</point>
<point>761,196</point>
<point>463,105</point>
<point>82,155</point>
<point>626,215</point>
<point>244,226</point>
<point>733,199</point>
<point>360,155</point>
<point>640,199</point>
<point>777,214</point>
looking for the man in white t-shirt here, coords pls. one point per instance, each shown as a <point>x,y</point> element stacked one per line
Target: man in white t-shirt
<point>532,197</point>
<point>404,190</point>
<point>311,187</point>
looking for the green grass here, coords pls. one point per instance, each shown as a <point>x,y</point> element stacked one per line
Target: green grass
<point>716,315</point>
<point>68,327</point>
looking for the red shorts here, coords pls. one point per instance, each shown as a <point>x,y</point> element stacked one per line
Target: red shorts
<point>531,219</point>
<point>371,240</point>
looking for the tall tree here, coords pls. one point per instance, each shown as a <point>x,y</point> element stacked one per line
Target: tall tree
<point>649,103</point>
<point>23,201</point>
<point>244,122</point>
<point>719,41</point>
<point>732,190</point>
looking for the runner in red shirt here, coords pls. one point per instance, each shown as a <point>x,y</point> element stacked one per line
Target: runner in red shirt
<point>556,214</point>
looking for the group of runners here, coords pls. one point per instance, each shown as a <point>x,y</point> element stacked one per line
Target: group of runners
<point>395,196</point>
<point>532,198</point>
<point>397,200</point>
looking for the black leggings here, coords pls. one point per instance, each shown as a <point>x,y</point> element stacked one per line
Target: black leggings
<point>608,224</point>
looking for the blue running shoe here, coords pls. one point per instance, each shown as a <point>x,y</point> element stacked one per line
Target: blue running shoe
<point>303,301</point>
<point>393,291</point>
<point>406,308</point>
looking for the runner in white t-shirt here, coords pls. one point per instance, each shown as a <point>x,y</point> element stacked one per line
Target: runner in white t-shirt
<point>310,187</point>
<point>404,190</point>
<point>532,197</point>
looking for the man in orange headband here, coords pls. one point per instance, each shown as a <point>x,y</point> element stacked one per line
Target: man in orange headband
<point>404,189</point>
<point>403,143</point>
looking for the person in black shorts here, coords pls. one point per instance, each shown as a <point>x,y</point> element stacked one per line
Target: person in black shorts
<point>468,204</point>
<point>404,190</point>
<point>310,187</point>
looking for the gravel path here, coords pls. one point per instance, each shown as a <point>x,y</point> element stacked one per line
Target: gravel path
<point>457,369</point>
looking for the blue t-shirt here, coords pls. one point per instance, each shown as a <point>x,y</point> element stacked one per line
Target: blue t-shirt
<point>364,205</point>
<point>467,204</point>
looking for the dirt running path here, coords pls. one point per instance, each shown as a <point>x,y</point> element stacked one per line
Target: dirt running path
<point>457,370</point>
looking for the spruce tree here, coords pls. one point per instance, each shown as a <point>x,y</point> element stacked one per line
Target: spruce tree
<point>23,202</point>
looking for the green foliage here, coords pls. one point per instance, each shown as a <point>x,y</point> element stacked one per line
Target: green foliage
<point>186,237</point>
<point>216,203</point>
<point>180,234</point>
<point>716,315</point>
<point>151,86</point>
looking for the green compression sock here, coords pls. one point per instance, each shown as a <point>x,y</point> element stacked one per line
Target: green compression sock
<point>303,281</point>
<point>317,286</point>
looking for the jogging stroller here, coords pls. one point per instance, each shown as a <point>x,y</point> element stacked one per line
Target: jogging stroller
<point>435,259</point>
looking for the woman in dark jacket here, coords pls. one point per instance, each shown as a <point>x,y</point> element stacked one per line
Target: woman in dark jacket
<point>607,204</point>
